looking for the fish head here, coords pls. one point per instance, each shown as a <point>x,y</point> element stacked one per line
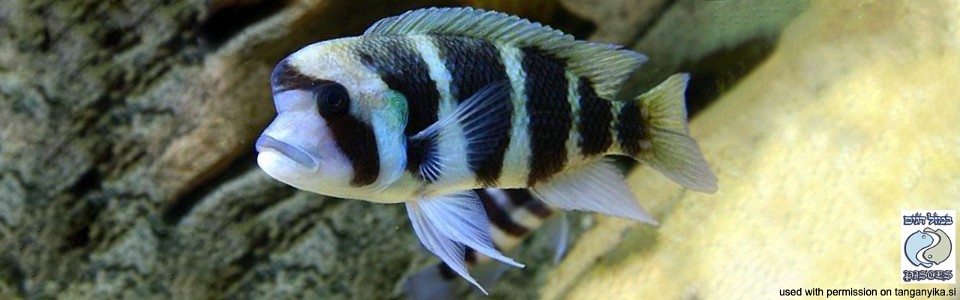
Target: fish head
<point>327,111</point>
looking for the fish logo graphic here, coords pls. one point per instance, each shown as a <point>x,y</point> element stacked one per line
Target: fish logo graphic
<point>928,247</point>
<point>928,242</point>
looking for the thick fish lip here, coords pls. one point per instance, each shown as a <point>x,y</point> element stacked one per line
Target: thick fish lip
<point>267,143</point>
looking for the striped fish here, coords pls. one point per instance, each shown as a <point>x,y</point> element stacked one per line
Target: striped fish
<point>428,106</point>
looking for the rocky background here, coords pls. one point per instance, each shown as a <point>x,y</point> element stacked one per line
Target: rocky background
<point>852,118</point>
<point>126,144</point>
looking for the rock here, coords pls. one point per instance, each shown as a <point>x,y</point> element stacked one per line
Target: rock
<point>688,32</point>
<point>717,42</point>
<point>617,21</point>
<point>126,158</point>
<point>852,119</point>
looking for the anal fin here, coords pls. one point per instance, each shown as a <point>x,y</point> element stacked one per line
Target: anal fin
<point>596,187</point>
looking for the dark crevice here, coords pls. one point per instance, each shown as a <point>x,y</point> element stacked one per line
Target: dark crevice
<point>89,181</point>
<point>716,73</point>
<point>112,38</point>
<point>224,22</point>
<point>79,237</point>
<point>182,206</point>
<point>88,207</point>
<point>89,118</point>
<point>118,39</point>
<point>79,221</point>
<point>45,40</point>
<point>248,211</point>
<point>12,272</point>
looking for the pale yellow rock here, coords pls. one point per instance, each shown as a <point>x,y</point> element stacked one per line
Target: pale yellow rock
<point>853,118</point>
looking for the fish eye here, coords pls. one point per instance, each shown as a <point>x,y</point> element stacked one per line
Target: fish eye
<point>332,100</point>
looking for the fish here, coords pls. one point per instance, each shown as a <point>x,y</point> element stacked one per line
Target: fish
<point>939,250</point>
<point>428,106</point>
<point>514,215</point>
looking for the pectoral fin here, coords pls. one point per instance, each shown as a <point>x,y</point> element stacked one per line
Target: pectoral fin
<point>449,223</point>
<point>466,136</point>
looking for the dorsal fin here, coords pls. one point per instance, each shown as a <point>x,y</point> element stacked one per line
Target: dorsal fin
<point>605,65</point>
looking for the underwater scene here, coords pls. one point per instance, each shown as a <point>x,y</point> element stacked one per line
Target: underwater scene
<point>479,149</point>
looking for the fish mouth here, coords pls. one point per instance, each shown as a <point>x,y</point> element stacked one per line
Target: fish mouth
<point>267,143</point>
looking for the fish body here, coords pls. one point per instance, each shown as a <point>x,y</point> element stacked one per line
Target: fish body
<point>428,76</point>
<point>430,105</point>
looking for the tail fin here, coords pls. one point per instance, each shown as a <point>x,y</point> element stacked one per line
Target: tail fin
<point>673,152</point>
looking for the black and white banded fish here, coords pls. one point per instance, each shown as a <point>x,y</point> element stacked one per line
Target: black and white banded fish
<point>425,107</point>
<point>514,215</point>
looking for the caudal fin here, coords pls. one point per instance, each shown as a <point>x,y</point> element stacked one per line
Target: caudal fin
<point>672,151</point>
